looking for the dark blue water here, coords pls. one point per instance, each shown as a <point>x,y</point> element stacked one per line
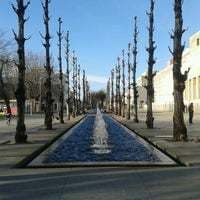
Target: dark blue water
<point>77,147</point>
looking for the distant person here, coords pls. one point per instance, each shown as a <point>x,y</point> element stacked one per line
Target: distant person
<point>8,115</point>
<point>191,112</point>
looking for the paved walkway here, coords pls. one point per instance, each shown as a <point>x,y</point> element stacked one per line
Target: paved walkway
<point>162,136</point>
<point>38,136</point>
<point>33,123</point>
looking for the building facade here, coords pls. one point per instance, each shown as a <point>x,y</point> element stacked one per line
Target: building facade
<point>163,81</point>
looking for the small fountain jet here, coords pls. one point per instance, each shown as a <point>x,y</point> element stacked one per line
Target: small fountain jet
<point>100,135</point>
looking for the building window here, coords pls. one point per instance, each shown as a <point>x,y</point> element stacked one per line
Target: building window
<point>198,42</point>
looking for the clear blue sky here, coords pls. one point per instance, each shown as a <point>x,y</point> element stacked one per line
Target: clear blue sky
<point>100,29</point>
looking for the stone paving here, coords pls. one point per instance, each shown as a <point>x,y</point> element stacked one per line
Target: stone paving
<point>187,152</point>
<point>11,153</point>
<point>33,123</point>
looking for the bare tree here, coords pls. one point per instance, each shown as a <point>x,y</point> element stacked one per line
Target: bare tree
<point>3,88</point>
<point>20,136</point>
<point>6,69</point>
<point>108,96</point>
<point>84,92</point>
<point>34,75</point>
<point>60,37</point>
<point>123,86</point>
<point>74,84</point>
<point>116,91</point>
<point>48,84</point>
<point>151,62</point>
<point>179,128</point>
<point>128,115</point>
<point>79,89</point>
<point>135,91</point>
<point>119,86</point>
<point>67,76</point>
<point>112,90</point>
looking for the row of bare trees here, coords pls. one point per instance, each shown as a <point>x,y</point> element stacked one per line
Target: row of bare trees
<point>120,103</point>
<point>118,98</point>
<point>71,89</point>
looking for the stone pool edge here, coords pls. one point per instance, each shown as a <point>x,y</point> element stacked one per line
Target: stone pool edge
<point>134,164</point>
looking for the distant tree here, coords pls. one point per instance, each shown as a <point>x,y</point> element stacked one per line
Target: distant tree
<point>151,74</point>
<point>79,89</point>
<point>128,115</point>
<point>6,70</point>
<point>84,92</point>
<point>108,96</point>
<point>98,98</point>
<point>20,136</point>
<point>49,69</point>
<point>60,37</point>
<point>3,88</point>
<point>179,128</point>
<point>119,86</point>
<point>123,86</point>
<point>74,84</point>
<point>116,91</point>
<point>35,73</point>
<point>68,76</point>
<point>112,91</point>
<point>135,91</point>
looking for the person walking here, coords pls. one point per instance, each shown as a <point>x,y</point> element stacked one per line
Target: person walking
<point>8,115</point>
<point>191,112</point>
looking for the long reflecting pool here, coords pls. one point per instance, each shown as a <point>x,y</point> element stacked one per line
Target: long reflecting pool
<point>99,139</point>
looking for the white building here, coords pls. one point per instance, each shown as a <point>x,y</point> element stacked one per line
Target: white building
<point>163,81</point>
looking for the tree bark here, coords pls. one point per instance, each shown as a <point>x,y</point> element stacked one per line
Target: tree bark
<point>67,77</point>
<point>116,91</point>
<point>135,91</point>
<point>79,89</point>
<point>119,87</point>
<point>112,91</point>
<point>123,86</point>
<point>74,85</point>
<point>21,136</point>
<point>151,74</point>
<point>48,84</point>
<point>84,92</point>
<point>60,37</point>
<point>128,115</point>
<point>179,128</point>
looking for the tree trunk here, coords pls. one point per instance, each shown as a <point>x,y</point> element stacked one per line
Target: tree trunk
<point>112,91</point>
<point>179,128</point>
<point>123,86</point>
<point>128,115</point>
<point>151,74</point>
<point>61,112</point>
<point>135,91</point>
<point>79,89</point>
<point>48,85</point>
<point>20,136</point>
<point>84,92</point>
<point>116,91</point>
<point>74,85</point>
<point>67,77</point>
<point>119,88</point>
<point>108,96</point>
